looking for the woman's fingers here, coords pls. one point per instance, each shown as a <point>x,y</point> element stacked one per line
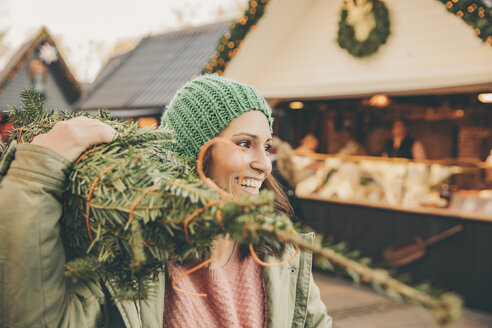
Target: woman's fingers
<point>70,138</point>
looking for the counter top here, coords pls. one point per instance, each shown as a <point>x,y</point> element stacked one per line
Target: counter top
<point>417,210</point>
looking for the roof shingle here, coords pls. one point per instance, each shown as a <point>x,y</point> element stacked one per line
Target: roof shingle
<point>149,75</point>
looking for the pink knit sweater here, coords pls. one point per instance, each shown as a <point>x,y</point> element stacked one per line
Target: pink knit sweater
<point>235,296</point>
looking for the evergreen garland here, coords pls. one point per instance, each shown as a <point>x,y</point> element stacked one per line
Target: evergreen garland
<point>130,206</point>
<point>476,13</point>
<point>229,44</point>
<point>377,37</point>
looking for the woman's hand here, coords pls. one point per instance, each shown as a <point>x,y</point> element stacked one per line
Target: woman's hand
<point>70,138</point>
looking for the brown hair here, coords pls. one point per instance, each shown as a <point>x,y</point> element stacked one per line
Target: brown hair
<point>282,206</point>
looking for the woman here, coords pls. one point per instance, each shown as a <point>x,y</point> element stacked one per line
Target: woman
<point>240,293</point>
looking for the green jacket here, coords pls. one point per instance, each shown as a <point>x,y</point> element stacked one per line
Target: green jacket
<point>35,293</point>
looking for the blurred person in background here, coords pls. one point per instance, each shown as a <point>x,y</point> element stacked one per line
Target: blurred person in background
<point>402,145</point>
<point>309,144</point>
<point>350,145</point>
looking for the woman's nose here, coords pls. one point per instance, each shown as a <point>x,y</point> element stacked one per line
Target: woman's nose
<point>261,162</point>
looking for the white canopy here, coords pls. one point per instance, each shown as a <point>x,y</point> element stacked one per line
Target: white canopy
<point>293,53</point>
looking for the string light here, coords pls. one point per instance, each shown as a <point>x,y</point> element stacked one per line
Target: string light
<point>379,100</point>
<point>231,40</point>
<point>485,97</point>
<point>459,113</point>
<point>296,105</point>
<point>243,20</point>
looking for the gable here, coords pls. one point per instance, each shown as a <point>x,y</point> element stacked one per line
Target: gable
<point>293,53</point>
<point>39,55</point>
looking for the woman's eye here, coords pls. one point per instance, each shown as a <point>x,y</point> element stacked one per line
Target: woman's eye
<point>244,144</point>
<point>268,148</point>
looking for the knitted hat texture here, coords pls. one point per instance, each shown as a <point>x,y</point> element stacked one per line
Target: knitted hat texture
<point>202,108</point>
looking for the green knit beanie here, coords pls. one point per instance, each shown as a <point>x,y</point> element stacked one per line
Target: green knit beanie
<point>205,106</point>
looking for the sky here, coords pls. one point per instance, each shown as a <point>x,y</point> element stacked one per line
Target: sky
<point>88,31</point>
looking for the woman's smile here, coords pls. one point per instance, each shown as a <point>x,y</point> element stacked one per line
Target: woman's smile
<point>250,185</point>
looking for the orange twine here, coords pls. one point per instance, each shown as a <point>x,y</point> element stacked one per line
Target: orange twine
<point>222,193</point>
<point>199,266</point>
<point>219,216</point>
<point>47,126</point>
<point>240,181</point>
<point>87,152</point>
<point>265,264</point>
<point>211,184</point>
<point>199,166</point>
<point>19,135</point>
<point>135,203</point>
<point>194,214</point>
<point>88,198</point>
<point>150,151</point>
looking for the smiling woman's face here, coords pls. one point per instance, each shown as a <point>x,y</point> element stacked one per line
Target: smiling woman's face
<point>251,132</point>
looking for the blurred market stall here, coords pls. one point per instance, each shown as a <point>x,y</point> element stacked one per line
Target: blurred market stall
<point>343,72</point>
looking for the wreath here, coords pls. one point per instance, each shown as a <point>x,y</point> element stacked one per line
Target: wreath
<point>378,35</point>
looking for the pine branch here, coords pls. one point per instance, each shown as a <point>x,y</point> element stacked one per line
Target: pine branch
<point>337,258</point>
<point>32,109</point>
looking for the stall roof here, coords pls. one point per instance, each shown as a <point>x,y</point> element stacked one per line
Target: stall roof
<point>295,53</point>
<point>148,76</point>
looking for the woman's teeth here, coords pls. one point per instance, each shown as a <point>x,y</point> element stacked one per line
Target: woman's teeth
<point>250,185</point>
